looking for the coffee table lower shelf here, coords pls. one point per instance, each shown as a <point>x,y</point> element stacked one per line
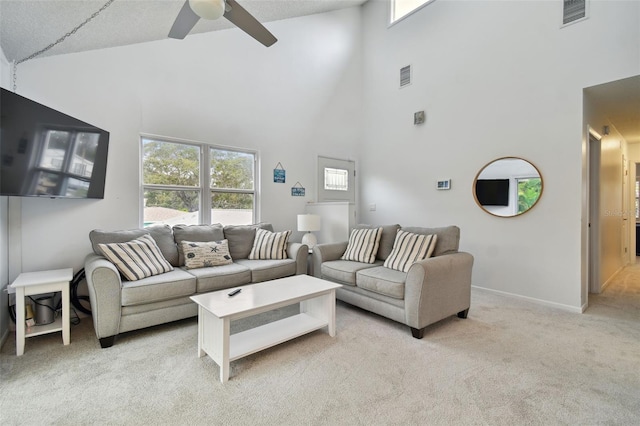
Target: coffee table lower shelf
<point>272,334</point>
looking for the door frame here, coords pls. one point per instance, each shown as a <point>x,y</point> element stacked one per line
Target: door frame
<point>593,211</point>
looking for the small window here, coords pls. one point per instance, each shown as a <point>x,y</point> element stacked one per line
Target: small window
<point>336,179</point>
<point>402,8</point>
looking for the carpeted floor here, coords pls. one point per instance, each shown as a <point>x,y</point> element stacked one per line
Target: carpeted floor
<point>511,362</point>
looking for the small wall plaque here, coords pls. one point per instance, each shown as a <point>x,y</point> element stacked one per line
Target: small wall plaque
<point>297,190</point>
<point>279,174</point>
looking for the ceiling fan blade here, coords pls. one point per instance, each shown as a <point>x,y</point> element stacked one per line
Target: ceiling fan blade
<point>184,22</point>
<point>247,23</point>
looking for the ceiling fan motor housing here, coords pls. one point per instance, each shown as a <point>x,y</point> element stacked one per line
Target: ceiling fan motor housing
<point>208,9</point>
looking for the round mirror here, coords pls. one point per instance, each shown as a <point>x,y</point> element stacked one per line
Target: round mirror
<point>507,187</point>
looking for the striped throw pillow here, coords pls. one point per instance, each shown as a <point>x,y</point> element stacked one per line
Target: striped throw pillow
<point>409,248</point>
<point>269,245</point>
<point>137,259</point>
<point>363,245</point>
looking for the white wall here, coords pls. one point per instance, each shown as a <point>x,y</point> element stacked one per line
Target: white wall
<point>298,98</point>
<point>5,81</point>
<point>495,79</point>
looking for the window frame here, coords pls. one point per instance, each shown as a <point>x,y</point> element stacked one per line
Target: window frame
<point>204,189</point>
<point>393,20</point>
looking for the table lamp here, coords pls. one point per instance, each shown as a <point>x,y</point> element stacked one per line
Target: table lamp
<point>309,223</point>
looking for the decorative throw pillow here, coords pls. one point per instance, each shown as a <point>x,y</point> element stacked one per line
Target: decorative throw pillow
<point>269,245</point>
<point>198,254</point>
<point>137,259</point>
<point>363,245</point>
<point>409,248</point>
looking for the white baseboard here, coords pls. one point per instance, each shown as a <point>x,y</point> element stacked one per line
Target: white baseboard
<point>569,308</point>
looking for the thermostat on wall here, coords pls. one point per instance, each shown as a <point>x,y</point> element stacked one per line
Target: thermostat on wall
<point>444,184</point>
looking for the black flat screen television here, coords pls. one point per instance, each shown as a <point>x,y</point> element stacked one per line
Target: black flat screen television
<point>492,192</point>
<point>45,153</point>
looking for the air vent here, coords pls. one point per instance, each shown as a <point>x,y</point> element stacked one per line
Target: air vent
<point>405,76</point>
<point>573,10</point>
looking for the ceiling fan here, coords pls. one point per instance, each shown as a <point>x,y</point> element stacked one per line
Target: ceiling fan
<point>193,10</point>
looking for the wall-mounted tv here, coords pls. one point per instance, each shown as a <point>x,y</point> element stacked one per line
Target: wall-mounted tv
<point>492,192</point>
<point>45,153</point>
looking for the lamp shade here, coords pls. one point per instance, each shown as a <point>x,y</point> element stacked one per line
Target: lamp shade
<point>308,222</point>
<point>208,9</point>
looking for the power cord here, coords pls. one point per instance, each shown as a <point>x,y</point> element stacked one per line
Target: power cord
<point>75,298</point>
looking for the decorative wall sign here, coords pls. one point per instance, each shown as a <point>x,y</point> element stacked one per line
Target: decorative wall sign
<point>297,190</point>
<point>279,174</point>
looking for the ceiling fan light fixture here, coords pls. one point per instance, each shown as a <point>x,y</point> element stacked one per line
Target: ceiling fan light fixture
<point>208,9</point>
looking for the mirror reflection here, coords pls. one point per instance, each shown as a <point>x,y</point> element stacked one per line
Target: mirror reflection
<point>507,187</point>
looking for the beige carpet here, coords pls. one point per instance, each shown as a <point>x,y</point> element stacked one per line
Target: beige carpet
<point>510,363</point>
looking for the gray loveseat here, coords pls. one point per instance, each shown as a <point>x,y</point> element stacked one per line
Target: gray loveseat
<point>432,289</point>
<point>119,305</point>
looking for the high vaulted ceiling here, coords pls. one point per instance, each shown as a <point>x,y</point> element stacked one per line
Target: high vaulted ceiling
<point>27,26</point>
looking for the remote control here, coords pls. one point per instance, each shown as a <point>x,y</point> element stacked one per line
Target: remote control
<point>234,292</point>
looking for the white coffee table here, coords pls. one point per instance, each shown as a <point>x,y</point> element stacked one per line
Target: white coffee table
<point>216,310</point>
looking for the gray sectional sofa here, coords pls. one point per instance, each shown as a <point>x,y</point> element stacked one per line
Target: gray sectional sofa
<point>432,289</point>
<point>119,305</point>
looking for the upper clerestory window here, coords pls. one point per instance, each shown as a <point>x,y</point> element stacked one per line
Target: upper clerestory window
<point>402,8</point>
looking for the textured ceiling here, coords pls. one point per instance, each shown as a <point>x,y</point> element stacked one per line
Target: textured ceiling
<point>27,26</point>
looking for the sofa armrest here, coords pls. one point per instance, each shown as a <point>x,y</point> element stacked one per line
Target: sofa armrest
<point>300,253</point>
<point>326,252</point>
<point>437,288</point>
<point>105,285</point>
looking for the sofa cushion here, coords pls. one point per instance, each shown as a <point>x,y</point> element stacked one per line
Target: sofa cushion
<point>265,270</point>
<point>409,248</point>
<point>386,240</point>
<point>241,238</point>
<point>363,245</point>
<point>162,234</point>
<point>381,280</point>
<point>173,284</point>
<point>196,233</point>
<point>448,238</point>
<point>269,245</point>
<point>220,277</point>
<point>99,236</point>
<point>344,271</point>
<point>137,259</point>
<point>200,254</point>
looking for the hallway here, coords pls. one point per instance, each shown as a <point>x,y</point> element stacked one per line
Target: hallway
<point>621,298</point>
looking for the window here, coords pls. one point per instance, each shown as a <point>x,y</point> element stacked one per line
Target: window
<point>190,183</point>
<point>402,8</point>
<point>336,179</point>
